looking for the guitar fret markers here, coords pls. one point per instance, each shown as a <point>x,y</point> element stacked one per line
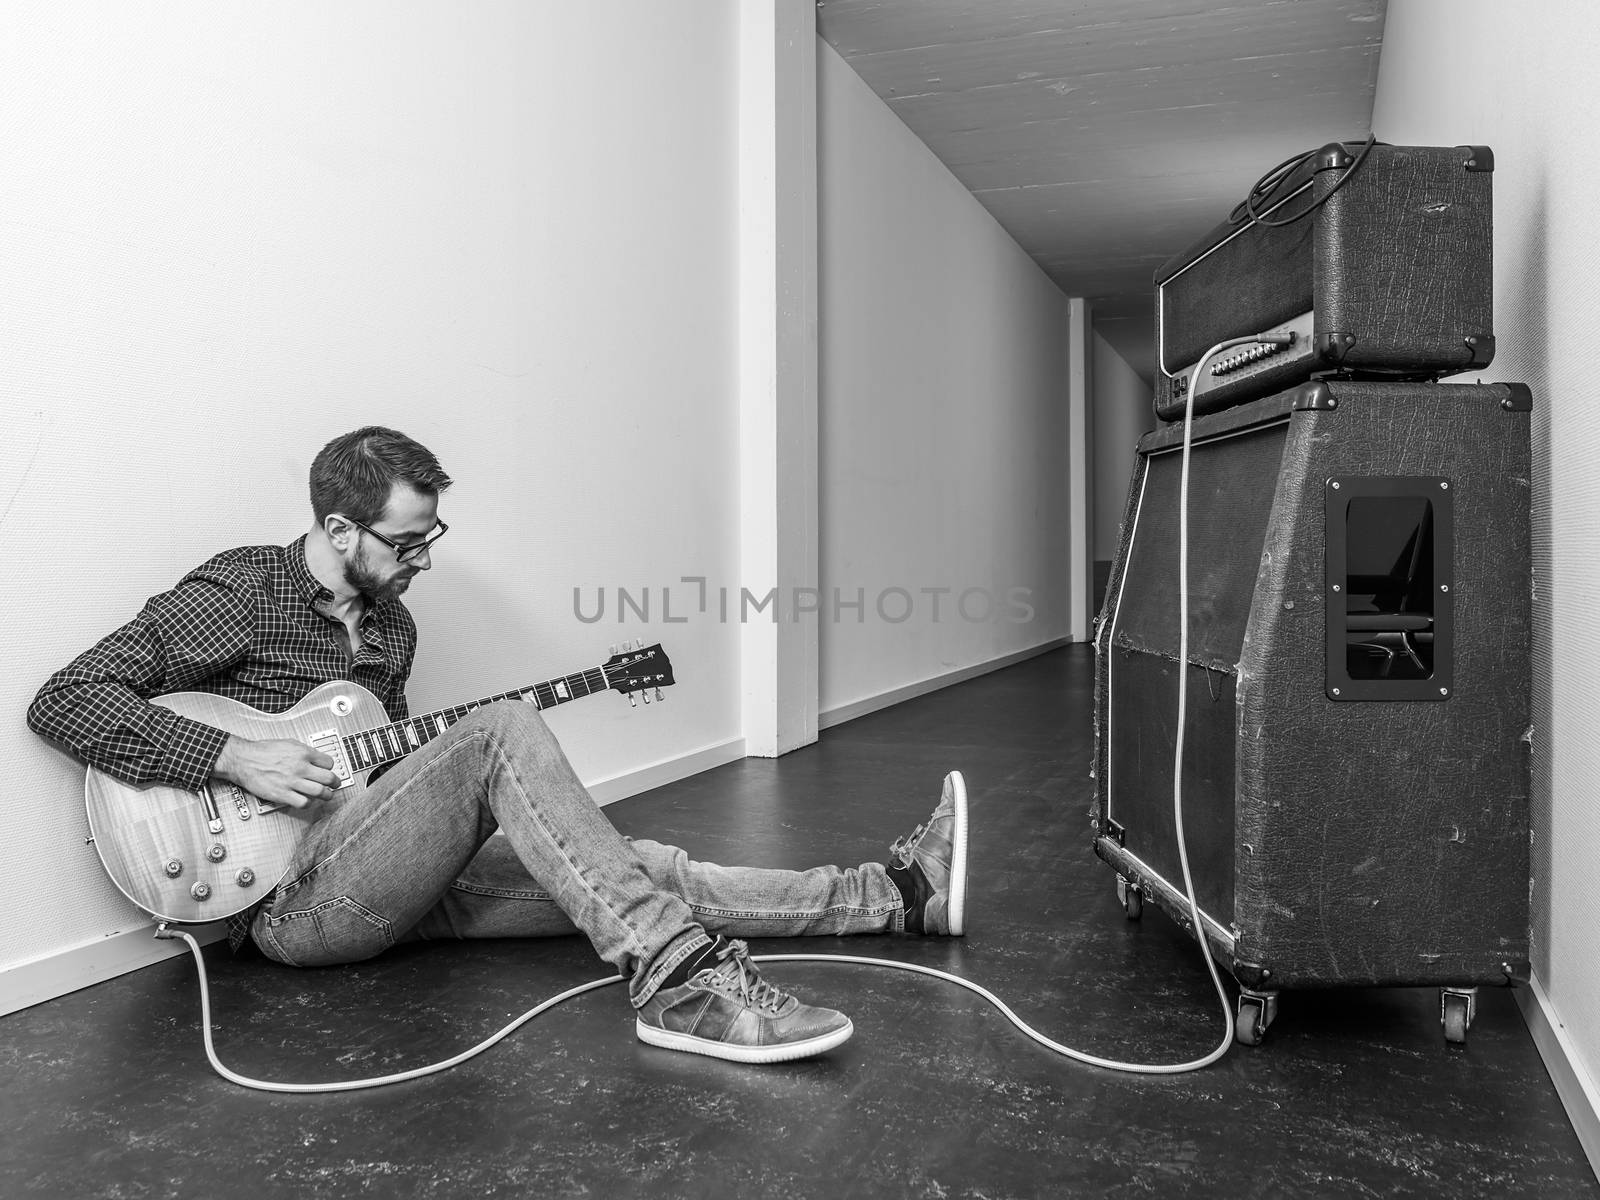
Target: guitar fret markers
<point>385,743</point>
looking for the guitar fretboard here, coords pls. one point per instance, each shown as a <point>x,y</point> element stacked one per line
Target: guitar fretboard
<point>386,743</point>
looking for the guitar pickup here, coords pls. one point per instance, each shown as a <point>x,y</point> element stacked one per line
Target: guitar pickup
<point>331,743</point>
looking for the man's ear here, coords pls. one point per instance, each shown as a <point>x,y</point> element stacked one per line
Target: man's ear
<point>339,530</point>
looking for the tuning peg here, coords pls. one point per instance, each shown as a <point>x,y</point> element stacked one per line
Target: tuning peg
<point>646,696</point>
<point>638,643</point>
<point>632,703</point>
<point>612,651</point>
<point>659,696</point>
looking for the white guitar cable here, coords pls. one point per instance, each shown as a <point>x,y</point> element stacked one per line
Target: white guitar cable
<point>353,1085</point>
<point>166,931</point>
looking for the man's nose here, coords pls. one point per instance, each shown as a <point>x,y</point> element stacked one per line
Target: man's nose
<point>423,560</point>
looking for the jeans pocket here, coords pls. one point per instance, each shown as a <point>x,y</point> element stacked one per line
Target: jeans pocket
<point>340,930</point>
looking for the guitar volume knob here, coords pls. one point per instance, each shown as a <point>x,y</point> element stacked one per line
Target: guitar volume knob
<point>217,853</point>
<point>200,890</point>
<point>173,868</point>
<point>245,877</point>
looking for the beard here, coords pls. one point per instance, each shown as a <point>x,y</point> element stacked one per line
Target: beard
<point>360,574</point>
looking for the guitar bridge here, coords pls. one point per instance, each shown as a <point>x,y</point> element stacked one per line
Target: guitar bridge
<point>241,804</point>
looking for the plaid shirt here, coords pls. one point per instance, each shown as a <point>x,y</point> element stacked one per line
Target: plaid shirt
<point>252,624</point>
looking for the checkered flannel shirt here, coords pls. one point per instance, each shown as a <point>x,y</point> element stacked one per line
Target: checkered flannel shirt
<point>252,624</point>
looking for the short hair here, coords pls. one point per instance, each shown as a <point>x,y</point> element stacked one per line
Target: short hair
<point>354,473</point>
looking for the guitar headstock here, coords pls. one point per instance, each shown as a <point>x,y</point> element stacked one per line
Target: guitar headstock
<point>639,668</point>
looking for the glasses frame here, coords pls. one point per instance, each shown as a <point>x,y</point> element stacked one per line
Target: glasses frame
<point>403,551</point>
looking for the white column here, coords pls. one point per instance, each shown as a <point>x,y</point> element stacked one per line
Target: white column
<point>778,371</point>
<point>1080,465</point>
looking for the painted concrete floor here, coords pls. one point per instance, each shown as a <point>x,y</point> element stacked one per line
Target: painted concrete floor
<point>106,1093</point>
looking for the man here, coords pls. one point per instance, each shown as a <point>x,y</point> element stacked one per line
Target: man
<point>412,856</point>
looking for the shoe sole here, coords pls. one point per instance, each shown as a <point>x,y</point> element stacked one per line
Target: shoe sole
<point>956,904</point>
<point>785,1052</point>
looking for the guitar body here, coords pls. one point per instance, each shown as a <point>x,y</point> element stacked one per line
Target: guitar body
<point>192,857</point>
<point>159,843</point>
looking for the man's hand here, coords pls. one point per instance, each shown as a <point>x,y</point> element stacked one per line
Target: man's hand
<point>280,772</point>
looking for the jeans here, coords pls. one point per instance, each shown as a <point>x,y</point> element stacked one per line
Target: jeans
<point>414,857</point>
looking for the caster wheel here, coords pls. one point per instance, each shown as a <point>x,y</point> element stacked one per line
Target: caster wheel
<point>1457,1019</point>
<point>1247,1027</point>
<point>1130,897</point>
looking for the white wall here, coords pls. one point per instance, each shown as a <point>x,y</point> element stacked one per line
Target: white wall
<point>1122,414</point>
<point>230,231</point>
<point>1520,79</point>
<point>942,403</point>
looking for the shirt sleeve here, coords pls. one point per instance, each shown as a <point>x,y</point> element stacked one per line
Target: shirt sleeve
<point>98,704</point>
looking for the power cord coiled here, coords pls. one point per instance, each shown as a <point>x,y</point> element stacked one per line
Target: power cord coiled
<point>1268,183</point>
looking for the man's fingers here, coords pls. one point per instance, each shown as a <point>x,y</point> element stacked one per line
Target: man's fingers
<point>312,789</point>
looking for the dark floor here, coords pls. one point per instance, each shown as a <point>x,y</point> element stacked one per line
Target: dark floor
<point>106,1093</point>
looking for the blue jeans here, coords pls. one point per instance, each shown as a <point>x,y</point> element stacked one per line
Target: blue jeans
<point>414,856</point>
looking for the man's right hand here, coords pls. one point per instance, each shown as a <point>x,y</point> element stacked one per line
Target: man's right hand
<point>280,772</point>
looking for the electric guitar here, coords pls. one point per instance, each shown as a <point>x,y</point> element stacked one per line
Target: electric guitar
<point>192,857</point>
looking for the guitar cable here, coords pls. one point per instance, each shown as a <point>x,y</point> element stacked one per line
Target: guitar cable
<point>166,931</point>
<point>353,1085</point>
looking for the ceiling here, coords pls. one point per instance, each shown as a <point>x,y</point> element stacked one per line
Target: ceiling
<point>1108,135</point>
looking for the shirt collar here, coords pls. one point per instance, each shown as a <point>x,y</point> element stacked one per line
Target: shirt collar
<point>307,584</point>
<point>317,594</point>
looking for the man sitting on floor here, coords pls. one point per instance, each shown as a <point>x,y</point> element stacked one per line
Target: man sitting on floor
<point>412,856</point>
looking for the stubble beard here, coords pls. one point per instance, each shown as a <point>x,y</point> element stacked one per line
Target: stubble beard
<point>360,574</point>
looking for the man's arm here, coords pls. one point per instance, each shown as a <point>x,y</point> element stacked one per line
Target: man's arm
<point>98,705</point>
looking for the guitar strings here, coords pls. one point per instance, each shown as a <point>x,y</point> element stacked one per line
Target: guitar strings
<point>457,711</point>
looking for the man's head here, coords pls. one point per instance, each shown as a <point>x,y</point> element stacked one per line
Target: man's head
<point>375,495</point>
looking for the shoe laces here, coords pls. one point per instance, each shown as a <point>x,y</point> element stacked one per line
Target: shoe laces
<point>733,964</point>
<point>904,846</point>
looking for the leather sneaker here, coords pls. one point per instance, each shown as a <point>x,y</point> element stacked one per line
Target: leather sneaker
<point>726,1010</point>
<point>930,865</point>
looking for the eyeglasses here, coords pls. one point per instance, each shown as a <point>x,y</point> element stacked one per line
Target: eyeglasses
<point>403,551</point>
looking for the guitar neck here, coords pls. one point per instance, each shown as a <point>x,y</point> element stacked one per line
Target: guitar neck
<point>387,743</point>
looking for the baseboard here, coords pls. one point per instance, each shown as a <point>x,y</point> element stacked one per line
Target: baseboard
<point>62,971</point>
<point>668,770</point>
<point>1574,1084</point>
<point>860,708</point>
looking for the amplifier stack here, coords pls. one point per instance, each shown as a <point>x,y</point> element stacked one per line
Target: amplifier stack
<point>1357,774</point>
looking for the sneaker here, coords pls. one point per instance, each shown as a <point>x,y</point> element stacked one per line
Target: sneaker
<point>930,865</point>
<point>727,1010</point>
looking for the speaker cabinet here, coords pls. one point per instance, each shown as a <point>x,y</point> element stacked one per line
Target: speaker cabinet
<point>1356,774</point>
